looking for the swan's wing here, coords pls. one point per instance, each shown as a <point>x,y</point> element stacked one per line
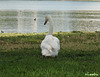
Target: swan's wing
<point>56,40</point>
<point>53,42</point>
<point>50,43</point>
<point>45,45</point>
<point>46,48</point>
<point>57,43</point>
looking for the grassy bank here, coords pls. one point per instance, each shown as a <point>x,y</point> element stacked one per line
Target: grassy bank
<point>20,55</point>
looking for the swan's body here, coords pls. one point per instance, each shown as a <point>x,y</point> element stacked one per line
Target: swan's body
<point>50,45</point>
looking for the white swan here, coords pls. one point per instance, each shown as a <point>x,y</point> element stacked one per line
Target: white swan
<point>50,45</point>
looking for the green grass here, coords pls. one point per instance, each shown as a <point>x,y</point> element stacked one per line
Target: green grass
<point>20,55</point>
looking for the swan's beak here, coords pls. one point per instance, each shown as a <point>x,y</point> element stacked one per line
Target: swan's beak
<point>45,22</point>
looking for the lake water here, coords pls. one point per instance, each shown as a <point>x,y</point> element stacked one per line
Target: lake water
<point>18,16</point>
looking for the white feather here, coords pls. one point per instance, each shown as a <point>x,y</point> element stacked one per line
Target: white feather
<point>50,45</point>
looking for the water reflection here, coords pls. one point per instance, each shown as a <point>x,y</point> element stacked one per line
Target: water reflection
<point>20,22</point>
<point>27,21</point>
<point>85,20</point>
<point>27,24</point>
<point>35,20</point>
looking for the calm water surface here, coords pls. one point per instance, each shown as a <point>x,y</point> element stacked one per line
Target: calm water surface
<point>18,16</point>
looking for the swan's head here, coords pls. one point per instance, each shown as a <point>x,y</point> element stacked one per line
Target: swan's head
<point>48,17</point>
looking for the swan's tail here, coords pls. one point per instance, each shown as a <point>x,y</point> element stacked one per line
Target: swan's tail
<point>45,52</point>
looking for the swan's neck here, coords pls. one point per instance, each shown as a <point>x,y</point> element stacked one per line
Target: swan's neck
<point>50,32</point>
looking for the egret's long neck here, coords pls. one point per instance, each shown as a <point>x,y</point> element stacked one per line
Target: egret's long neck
<point>50,32</point>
